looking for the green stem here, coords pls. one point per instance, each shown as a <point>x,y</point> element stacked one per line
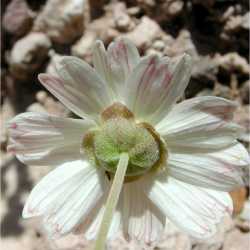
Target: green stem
<point>112,201</point>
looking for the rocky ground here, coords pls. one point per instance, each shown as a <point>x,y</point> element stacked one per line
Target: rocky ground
<point>35,33</point>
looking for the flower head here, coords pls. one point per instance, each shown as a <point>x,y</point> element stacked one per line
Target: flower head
<point>154,158</point>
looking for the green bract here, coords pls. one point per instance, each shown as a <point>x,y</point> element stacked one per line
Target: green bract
<point>120,135</point>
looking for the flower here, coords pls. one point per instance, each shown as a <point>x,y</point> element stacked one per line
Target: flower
<point>174,160</point>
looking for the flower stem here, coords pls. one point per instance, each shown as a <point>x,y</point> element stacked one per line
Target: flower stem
<point>112,201</point>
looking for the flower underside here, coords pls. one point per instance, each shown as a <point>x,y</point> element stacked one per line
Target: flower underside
<point>120,165</point>
<point>120,133</point>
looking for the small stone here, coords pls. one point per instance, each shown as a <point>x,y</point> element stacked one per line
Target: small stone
<point>222,91</point>
<point>61,20</point>
<point>233,24</point>
<point>54,60</point>
<point>236,240</point>
<point>41,96</point>
<point>203,76</point>
<point>154,52</point>
<point>246,21</point>
<point>36,107</point>
<point>133,11</point>
<point>168,40</point>
<point>162,10</point>
<point>70,242</point>
<point>121,18</point>
<point>226,15</point>
<point>28,54</point>
<point>177,241</point>
<point>158,45</point>
<point>110,35</point>
<point>6,114</point>
<point>83,48</point>
<point>205,92</point>
<point>174,8</point>
<point>95,28</point>
<point>237,22</point>
<point>233,62</point>
<point>243,225</point>
<point>145,33</point>
<point>215,242</point>
<point>18,17</point>
<point>122,22</point>
<point>55,107</point>
<point>183,43</point>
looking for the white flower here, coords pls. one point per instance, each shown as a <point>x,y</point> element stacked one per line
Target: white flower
<point>183,158</point>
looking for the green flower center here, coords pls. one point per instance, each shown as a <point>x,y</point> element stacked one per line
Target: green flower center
<point>119,133</point>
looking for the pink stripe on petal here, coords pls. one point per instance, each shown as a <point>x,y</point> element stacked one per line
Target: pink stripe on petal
<point>78,87</point>
<point>195,210</point>
<point>41,139</point>
<point>13,125</point>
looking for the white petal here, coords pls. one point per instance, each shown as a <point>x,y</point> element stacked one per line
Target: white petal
<point>193,209</point>
<point>142,220</point>
<point>102,65</point>
<point>65,196</point>
<point>116,64</point>
<point>135,215</point>
<point>124,53</point>
<point>201,122</point>
<point>155,84</point>
<point>78,87</point>
<point>91,226</point>
<point>115,226</point>
<point>222,170</point>
<point>42,139</point>
<point>123,57</point>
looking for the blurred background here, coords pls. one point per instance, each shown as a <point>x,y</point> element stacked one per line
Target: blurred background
<point>35,33</point>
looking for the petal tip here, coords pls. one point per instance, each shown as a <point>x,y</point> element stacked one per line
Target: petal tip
<point>98,47</point>
<point>11,149</point>
<point>11,124</point>
<point>27,212</point>
<point>152,59</point>
<point>43,77</point>
<point>124,40</point>
<point>98,43</point>
<point>188,59</point>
